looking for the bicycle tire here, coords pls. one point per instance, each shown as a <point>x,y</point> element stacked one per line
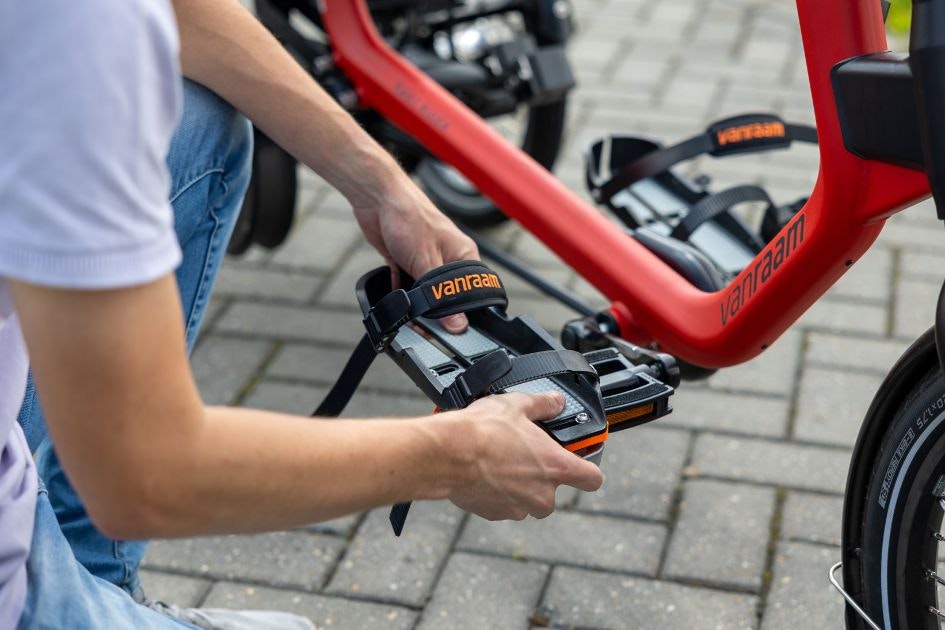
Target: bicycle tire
<point>542,141</point>
<point>904,513</point>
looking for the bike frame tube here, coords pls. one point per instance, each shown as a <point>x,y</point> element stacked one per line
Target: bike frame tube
<point>845,213</point>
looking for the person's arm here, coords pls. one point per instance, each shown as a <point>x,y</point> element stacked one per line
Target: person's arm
<point>150,460</point>
<point>225,48</point>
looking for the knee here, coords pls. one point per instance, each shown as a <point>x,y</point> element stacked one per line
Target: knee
<point>211,135</point>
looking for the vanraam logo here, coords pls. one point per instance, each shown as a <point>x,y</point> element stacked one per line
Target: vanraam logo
<point>765,265</point>
<point>465,283</point>
<point>753,131</point>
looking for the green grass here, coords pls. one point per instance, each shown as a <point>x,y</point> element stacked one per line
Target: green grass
<point>900,17</point>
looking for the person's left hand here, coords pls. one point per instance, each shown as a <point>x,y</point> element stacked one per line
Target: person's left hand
<point>409,231</point>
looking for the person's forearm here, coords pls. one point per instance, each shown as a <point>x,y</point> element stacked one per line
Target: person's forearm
<point>256,471</point>
<point>226,49</point>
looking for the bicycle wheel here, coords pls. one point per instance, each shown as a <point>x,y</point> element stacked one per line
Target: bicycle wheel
<point>903,517</point>
<point>457,197</point>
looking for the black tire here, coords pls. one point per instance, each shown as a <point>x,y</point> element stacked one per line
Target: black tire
<point>903,514</point>
<point>275,173</point>
<point>542,140</point>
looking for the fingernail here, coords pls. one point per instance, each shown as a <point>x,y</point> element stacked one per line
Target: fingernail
<point>455,323</point>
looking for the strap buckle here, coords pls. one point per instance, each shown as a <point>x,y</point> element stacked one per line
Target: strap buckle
<point>476,379</point>
<point>386,317</point>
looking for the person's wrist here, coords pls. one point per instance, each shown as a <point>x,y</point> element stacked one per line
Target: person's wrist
<point>379,179</point>
<point>454,449</point>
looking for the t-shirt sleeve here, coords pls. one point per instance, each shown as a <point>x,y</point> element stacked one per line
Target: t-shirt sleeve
<point>84,133</point>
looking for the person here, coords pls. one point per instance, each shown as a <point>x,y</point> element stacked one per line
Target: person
<point>87,253</point>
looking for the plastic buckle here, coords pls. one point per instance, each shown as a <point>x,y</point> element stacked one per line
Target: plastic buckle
<point>476,379</point>
<point>386,317</point>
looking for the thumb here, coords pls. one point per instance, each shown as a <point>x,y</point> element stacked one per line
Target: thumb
<point>543,406</point>
<point>583,475</point>
<point>455,324</point>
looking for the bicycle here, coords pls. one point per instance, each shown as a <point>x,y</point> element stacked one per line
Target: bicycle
<point>881,151</point>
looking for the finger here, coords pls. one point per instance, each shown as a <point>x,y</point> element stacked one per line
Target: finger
<point>455,324</point>
<point>543,406</point>
<point>583,475</point>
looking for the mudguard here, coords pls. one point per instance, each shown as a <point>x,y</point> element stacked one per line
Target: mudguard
<point>916,361</point>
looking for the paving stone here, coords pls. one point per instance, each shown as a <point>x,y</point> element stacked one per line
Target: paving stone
<point>214,308</point>
<point>324,612</point>
<point>903,235</point>
<point>801,596</point>
<point>914,308</point>
<point>577,598</point>
<point>869,279</point>
<point>381,566</point>
<point>927,266</point>
<point>245,282</point>
<point>285,398</point>
<point>549,314</point>
<point>343,526</point>
<point>322,365</point>
<point>299,560</point>
<point>318,242</point>
<point>570,537</point>
<point>718,411</point>
<point>223,366</point>
<point>831,405</point>
<point>835,316</point>
<point>185,592</point>
<point>721,536</point>
<point>482,592</point>
<point>853,352</point>
<point>340,289</point>
<point>772,372</point>
<point>812,517</point>
<point>775,463</point>
<point>367,404</point>
<point>641,467</point>
<point>292,322</point>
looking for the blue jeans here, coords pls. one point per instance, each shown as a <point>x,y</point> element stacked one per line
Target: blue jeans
<point>209,162</point>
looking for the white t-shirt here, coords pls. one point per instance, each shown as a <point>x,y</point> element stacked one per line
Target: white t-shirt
<point>89,98</point>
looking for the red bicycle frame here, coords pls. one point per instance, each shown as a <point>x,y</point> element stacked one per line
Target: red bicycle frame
<point>850,202</point>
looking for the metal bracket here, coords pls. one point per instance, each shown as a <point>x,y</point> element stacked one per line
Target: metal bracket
<point>831,575</point>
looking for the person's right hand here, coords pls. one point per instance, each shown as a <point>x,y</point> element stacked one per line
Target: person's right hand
<point>516,465</point>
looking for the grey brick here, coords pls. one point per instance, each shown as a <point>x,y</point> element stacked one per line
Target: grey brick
<point>322,365</point>
<point>835,316</point>
<point>584,539</point>
<point>927,266</point>
<point>318,242</point>
<point>342,526</point>
<point>185,592</point>
<point>831,405</point>
<point>534,252</point>
<point>812,517</point>
<point>870,278</point>
<point>340,289</point>
<point>294,559</point>
<point>641,467</point>
<point>222,367</point>
<point>853,352</point>
<point>366,404</point>
<point>378,565</point>
<point>295,399</point>
<point>324,612</point>
<point>482,592</point>
<point>722,534</point>
<point>772,372</point>
<point>903,235</point>
<point>801,596</point>
<point>776,463</point>
<point>599,600</point>
<point>292,322</point>
<point>246,282</point>
<point>914,307</point>
<point>742,413</point>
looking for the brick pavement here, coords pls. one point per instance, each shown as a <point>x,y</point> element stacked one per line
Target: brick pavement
<point>724,515</point>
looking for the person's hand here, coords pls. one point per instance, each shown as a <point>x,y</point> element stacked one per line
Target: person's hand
<point>409,231</point>
<point>516,465</point>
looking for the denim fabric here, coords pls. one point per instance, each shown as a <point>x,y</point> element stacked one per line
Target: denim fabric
<point>209,162</point>
<point>61,593</point>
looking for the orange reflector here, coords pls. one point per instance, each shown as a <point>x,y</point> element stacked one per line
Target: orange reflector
<point>629,414</point>
<point>588,442</point>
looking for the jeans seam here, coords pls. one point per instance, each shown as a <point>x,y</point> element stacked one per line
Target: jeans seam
<point>192,182</point>
<point>202,287</point>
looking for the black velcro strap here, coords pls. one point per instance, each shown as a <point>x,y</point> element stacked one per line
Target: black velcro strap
<point>349,379</point>
<point>712,206</point>
<point>531,367</point>
<point>475,380</point>
<point>731,136</point>
<point>464,285</point>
